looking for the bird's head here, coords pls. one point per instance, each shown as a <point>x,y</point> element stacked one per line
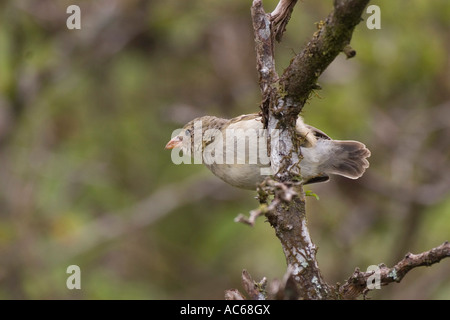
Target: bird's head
<point>197,133</point>
<point>184,139</point>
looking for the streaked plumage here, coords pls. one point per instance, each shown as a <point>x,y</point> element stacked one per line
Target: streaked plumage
<point>322,155</point>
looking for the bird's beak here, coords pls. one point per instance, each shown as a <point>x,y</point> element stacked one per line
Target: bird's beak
<point>174,143</point>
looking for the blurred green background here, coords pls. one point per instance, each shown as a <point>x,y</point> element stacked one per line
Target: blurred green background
<point>85,180</point>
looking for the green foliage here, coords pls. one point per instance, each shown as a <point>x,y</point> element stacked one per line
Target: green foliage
<point>309,193</point>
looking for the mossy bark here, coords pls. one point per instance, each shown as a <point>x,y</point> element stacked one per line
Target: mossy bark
<point>282,100</point>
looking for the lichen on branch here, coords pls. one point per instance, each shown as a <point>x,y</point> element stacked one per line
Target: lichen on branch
<point>283,98</point>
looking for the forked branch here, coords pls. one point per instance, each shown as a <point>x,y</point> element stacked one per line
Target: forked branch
<point>354,287</point>
<point>357,283</point>
<point>282,100</point>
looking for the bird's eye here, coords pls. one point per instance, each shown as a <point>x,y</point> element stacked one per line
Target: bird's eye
<point>187,132</point>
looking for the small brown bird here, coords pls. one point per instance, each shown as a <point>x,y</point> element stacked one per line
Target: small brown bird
<point>235,150</point>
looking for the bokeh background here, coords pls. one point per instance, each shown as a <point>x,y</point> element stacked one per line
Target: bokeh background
<point>85,180</point>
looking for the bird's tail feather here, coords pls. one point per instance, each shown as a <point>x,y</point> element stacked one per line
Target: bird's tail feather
<point>349,160</point>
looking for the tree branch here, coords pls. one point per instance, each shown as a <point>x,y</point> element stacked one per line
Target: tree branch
<point>282,101</point>
<point>265,61</point>
<point>332,36</point>
<point>280,17</point>
<point>255,290</point>
<point>357,283</point>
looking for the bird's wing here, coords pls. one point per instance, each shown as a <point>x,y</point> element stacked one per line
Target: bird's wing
<point>318,133</point>
<point>245,117</point>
